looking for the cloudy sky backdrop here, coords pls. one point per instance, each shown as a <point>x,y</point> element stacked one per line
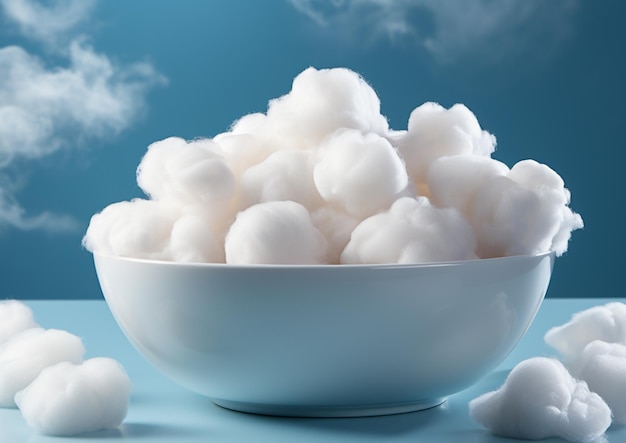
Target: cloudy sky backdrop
<point>87,85</point>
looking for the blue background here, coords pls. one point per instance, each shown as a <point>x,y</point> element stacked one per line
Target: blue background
<point>550,87</point>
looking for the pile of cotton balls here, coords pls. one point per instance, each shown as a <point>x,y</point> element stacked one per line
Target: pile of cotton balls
<point>576,399</point>
<point>42,372</point>
<point>320,178</point>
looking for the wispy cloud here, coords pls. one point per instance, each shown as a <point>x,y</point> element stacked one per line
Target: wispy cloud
<point>448,29</point>
<point>46,108</point>
<point>47,22</point>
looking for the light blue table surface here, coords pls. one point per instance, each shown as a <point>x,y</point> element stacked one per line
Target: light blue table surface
<point>161,411</point>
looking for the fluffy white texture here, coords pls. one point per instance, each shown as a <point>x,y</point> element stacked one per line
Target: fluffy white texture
<point>247,143</point>
<point>554,220</point>
<point>361,173</point>
<point>456,180</point>
<point>67,399</point>
<point>606,323</point>
<point>138,228</point>
<point>279,232</point>
<point>186,173</point>
<point>603,366</point>
<point>540,399</point>
<point>27,353</point>
<point>322,101</point>
<point>325,146</point>
<point>411,231</point>
<point>336,226</point>
<point>284,175</point>
<point>434,131</point>
<point>516,212</point>
<point>15,317</point>
<point>192,240</point>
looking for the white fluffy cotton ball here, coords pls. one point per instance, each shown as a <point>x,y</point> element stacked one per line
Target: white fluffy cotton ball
<point>138,228</point>
<point>278,232</point>
<point>361,173</point>
<point>322,101</point>
<point>454,181</point>
<point>434,132</point>
<point>540,399</point>
<point>15,317</point>
<point>411,231</point>
<point>606,323</point>
<point>67,399</point>
<point>336,226</point>
<point>603,366</point>
<point>555,221</point>
<point>284,175</point>
<point>27,353</point>
<point>192,240</point>
<point>194,172</point>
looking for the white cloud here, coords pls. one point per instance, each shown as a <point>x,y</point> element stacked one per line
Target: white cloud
<point>448,29</point>
<point>46,108</point>
<point>50,21</point>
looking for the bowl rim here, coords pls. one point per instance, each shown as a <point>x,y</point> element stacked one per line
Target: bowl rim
<point>451,263</point>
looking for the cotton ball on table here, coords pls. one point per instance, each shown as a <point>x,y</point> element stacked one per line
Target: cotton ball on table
<point>319,103</point>
<point>361,173</point>
<point>15,317</point>
<point>606,323</point>
<point>67,399</point>
<point>278,232</point>
<point>411,231</point>
<point>284,175</point>
<point>27,353</point>
<point>603,366</point>
<point>540,399</point>
<point>434,132</point>
<point>194,172</point>
<point>138,228</point>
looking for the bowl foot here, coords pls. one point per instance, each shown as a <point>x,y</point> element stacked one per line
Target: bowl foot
<point>329,411</point>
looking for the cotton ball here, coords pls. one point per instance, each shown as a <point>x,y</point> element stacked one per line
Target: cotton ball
<point>434,132</point>
<point>278,232</point>
<point>606,323</point>
<point>15,317</point>
<point>67,399</point>
<point>555,221</point>
<point>139,228</point>
<point>194,172</point>
<point>540,399</point>
<point>27,353</point>
<point>243,150</point>
<point>250,123</point>
<point>512,219</point>
<point>322,101</point>
<point>411,231</point>
<point>362,173</point>
<point>603,366</point>
<point>336,226</point>
<point>284,175</point>
<point>193,241</point>
<point>454,181</point>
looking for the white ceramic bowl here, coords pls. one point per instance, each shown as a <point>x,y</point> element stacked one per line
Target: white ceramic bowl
<point>325,340</point>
